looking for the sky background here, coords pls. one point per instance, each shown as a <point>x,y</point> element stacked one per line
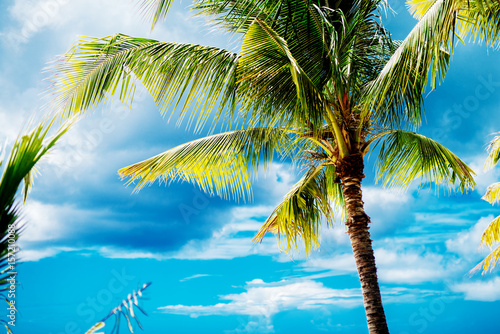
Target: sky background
<point>89,241</point>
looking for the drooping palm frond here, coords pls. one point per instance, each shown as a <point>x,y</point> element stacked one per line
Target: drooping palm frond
<point>218,164</point>
<point>405,156</point>
<point>26,152</point>
<point>97,68</point>
<point>489,261</point>
<point>267,64</point>
<point>478,19</point>
<point>155,10</point>
<point>494,153</point>
<point>125,309</point>
<point>490,237</point>
<point>396,94</point>
<point>492,193</point>
<point>304,208</point>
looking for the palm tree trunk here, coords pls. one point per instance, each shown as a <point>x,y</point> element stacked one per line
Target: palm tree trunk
<point>350,170</point>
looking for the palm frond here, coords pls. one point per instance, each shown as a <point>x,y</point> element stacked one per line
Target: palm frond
<point>492,193</point>
<point>95,69</point>
<point>490,237</point>
<point>26,152</point>
<point>155,10</point>
<point>266,64</point>
<point>491,234</point>
<point>494,153</point>
<point>489,261</point>
<point>405,156</point>
<point>423,56</point>
<point>304,208</point>
<point>125,309</point>
<point>478,19</point>
<point>218,164</point>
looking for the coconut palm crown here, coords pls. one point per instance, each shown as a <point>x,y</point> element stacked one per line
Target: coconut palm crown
<point>318,82</point>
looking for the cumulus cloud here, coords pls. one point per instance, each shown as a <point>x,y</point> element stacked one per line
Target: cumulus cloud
<point>479,290</point>
<point>266,299</point>
<point>466,243</point>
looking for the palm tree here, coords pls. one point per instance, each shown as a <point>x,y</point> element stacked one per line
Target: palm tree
<point>491,234</point>
<point>26,152</point>
<point>311,84</point>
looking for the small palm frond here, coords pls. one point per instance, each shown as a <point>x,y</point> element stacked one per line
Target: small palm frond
<point>490,237</point>
<point>97,68</point>
<point>489,261</point>
<point>478,19</point>
<point>218,164</point>
<point>396,94</point>
<point>491,234</point>
<point>494,153</point>
<point>304,208</point>
<point>492,193</point>
<point>125,309</point>
<point>26,152</point>
<point>405,156</point>
<point>155,10</point>
<point>267,65</point>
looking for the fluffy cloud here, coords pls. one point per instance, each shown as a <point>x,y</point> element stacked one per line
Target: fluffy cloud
<point>266,299</point>
<point>486,291</point>
<point>466,243</point>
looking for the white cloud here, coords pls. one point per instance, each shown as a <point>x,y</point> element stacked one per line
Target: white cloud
<point>486,291</point>
<point>409,267</point>
<point>194,276</point>
<point>466,243</point>
<point>266,299</point>
<point>46,221</point>
<point>28,255</point>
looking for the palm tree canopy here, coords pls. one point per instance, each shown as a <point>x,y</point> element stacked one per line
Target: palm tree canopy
<point>314,82</point>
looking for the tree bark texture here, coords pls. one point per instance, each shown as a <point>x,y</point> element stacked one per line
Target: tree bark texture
<point>350,170</point>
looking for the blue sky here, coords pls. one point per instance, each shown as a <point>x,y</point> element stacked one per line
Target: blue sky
<point>89,240</point>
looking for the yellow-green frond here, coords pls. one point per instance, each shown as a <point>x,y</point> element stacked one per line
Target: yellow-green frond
<point>405,156</point>
<point>219,163</point>
<point>491,234</point>
<point>492,193</point>
<point>199,77</point>
<point>303,209</point>
<point>477,19</point>
<point>267,65</point>
<point>494,153</point>
<point>489,261</point>
<point>396,94</point>
<point>155,10</point>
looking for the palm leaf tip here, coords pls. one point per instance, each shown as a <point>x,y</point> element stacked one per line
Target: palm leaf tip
<point>493,153</point>
<point>405,156</point>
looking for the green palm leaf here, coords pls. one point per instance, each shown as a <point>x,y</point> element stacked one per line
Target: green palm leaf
<point>97,68</point>
<point>492,193</point>
<point>26,152</point>
<point>490,237</point>
<point>494,153</point>
<point>396,94</point>
<point>217,163</point>
<point>304,208</point>
<point>405,156</point>
<point>267,64</point>
<point>155,10</point>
